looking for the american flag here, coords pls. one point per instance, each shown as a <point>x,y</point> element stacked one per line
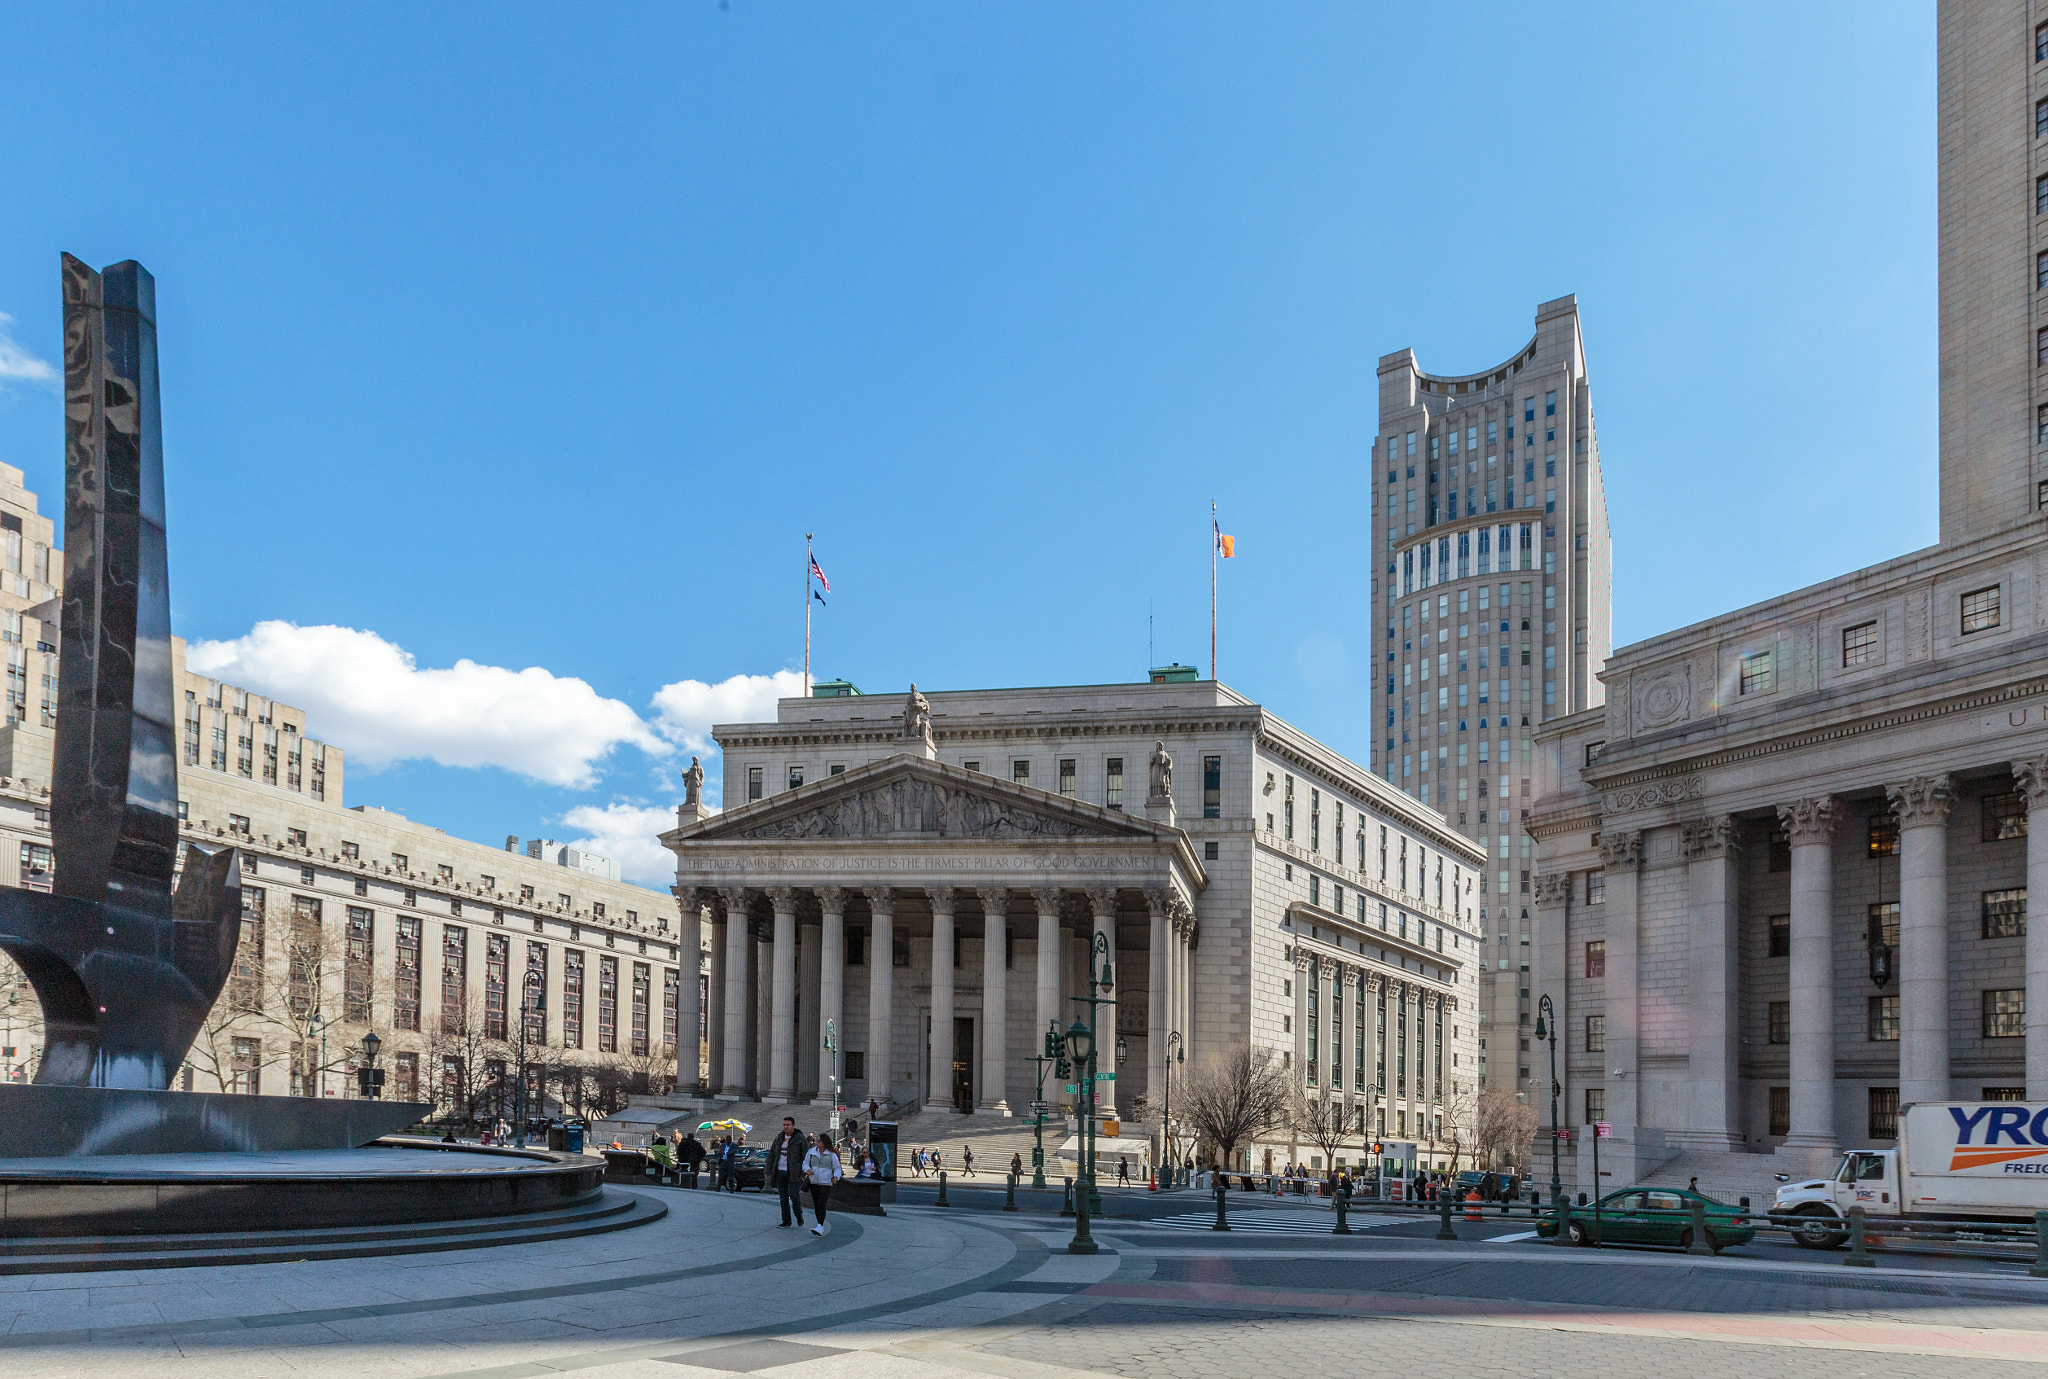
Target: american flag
<point>819,575</point>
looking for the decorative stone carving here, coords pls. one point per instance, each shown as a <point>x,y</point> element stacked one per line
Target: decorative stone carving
<point>693,783</point>
<point>1715,837</point>
<point>1046,898</point>
<point>783,898</point>
<point>1922,801</point>
<point>1811,820</point>
<point>1180,913</point>
<point>917,717</point>
<point>1162,773</point>
<point>1652,794</point>
<point>1661,696</point>
<point>1918,643</point>
<point>2032,776</point>
<point>735,898</point>
<point>1102,901</point>
<point>1621,849</point>
<point>940,898</point>
<point>881,903</point>
<point>1303,960</point>
<point>915,807</point>
<point>832,899</point>
<point>995,902</point>
<point>1553,888</point>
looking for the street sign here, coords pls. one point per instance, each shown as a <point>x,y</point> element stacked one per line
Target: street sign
<point>1564,1134</point>
<point>1039,1108</point>
<point>1105,1077</point>
<point>1603,1130</point>
<point>1073,1089</point>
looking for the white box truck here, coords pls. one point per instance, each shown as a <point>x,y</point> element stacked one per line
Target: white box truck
<point>1980,1160</point>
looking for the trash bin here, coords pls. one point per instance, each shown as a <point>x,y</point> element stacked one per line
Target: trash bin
<point>572,1137</point>
<point>558,1137</point>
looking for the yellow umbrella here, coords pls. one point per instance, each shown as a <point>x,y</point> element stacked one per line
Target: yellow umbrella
<point>739,1125</point>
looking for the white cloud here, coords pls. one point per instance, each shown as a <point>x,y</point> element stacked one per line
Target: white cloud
<point>626,832</point>
<point>370,698</point>
<point>684,711</point>
<point>17,362</point>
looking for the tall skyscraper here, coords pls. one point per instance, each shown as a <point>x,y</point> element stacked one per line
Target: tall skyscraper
<point>1493,586</point>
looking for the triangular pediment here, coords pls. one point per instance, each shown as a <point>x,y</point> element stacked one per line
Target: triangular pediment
<point>910,797</point>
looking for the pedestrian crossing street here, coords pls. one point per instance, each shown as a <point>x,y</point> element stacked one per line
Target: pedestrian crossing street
<point>1256,1222</point>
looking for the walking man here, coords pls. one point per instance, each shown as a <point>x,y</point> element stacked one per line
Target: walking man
<point>967,1160</point>
<point>786,1166</point>
<point>821,1170</point>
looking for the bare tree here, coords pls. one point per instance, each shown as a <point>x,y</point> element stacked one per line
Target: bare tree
<point>1504,1129</point>
<point>1233,1098</point>
<point>1319,1122</point>
<point>458,1056</point>
<point>1457,1116</point>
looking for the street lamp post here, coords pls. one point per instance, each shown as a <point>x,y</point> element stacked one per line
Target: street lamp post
<point>1053,1058</point>
<point>1174,1053</point>
<point>528,1005</point>
<point>1102,978</point>
<point>369,1077</point>
<point>1081,1048</point>
<point>832,1047</point>
<point>1546,1028</point>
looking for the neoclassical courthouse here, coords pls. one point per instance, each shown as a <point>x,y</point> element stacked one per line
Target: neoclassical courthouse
<point>1784,868</point>
<point>930,875</point>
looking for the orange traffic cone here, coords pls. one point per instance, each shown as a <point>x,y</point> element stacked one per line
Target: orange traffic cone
<point>1472,1205</point>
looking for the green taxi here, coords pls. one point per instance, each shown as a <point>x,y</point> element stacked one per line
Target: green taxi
<point>1652,1216</point>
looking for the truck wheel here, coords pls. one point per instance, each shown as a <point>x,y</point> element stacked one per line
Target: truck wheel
<point>1813,1228</point>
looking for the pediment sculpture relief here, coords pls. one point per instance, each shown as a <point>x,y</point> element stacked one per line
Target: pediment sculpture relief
<point>917,808</point>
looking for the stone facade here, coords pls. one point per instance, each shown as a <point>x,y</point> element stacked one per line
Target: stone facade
<point>1492,521</point>
<point>1786,865</point>
<point>1227,860</point>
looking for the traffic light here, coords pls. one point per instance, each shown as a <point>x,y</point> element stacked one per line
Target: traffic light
<point>1052,1045</point>
<point>1064,1069</point>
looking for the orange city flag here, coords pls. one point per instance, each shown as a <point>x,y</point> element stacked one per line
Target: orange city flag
<point>1226,544</point>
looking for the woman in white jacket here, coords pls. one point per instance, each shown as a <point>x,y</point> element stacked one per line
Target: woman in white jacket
<point>821,1170</point>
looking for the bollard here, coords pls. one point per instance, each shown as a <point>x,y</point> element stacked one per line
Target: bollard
<point>1222,1199</point>
<point>1563,1202</point>
<point>1010,1199</point>
<point>1699,1244</point>
<point>1343,1213</point>
<point>1067,1206</point>
<point>2040,1269</point>
<point>1859,1249</point>
<point>1443,1206</point>
<point>942,1202</point>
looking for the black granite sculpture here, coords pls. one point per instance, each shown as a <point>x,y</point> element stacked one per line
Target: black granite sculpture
<point>125,970</point>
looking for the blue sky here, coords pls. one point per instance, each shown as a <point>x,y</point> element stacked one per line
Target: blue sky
<point>508,353</point>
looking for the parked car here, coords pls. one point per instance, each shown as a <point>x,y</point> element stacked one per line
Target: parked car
<point>1652,1216</point>
<point>1471,1180</point>
<point>750,1167</point>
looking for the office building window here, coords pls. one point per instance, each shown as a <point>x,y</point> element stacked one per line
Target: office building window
<point>2005,913</point>
<point>1596,957</point>
<point>1781,936</point>
<point>1781,1111</point>
<point>1884,1018</point>
<point>2002,1094</point>
<point>2005,816</point>
<point>1596,883</point>
<point>1067,777</point>
<point>2005,1014</point>
<point>2041,117</point>
<point>1596,1105</point>
<point>1212,787</point>
<point>2041,195</point>
<point>1020,772</point>
<point>1756,673</point>
<point>754,783</point>
<point>1211,851</point>
<point>1859,644</point>
<point>1596,1034</point>
<point>1780,1022</point>
<point>1113,788</point>
<point>796,777</point>
<point>1884,834</point>
<point>1980,610</point>
<point>970,765</point>
<point>1884,1113</point>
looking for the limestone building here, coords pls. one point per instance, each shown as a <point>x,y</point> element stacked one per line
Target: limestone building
<point>1494,584</point>
<point>930,873</point>
<point>1784,871</point>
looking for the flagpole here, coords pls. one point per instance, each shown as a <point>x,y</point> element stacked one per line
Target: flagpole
<point>1214,542</point>
<point>807,615</point>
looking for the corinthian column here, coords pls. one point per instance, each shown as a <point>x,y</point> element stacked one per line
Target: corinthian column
<point>1922,805</point>
<point>1047,901</point>
<point>1711,849</point>
<point>689,992</point>
<point>1156,901</point>
<point>831,982</point>
<point>1810,823</point>
<point>881,987</point>
<point>2032,775</point>
<point>1621,853</point>
<point>739,1015</point>
<point>939,1090</point>
<point>992,1097</point>
<point>1102,902</point>
<point>782,1009</point>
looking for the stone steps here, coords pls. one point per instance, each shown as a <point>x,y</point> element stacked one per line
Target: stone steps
<point>1726,1177</point>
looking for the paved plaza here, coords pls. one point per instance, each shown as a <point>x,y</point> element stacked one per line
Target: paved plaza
<point>716,1288</point>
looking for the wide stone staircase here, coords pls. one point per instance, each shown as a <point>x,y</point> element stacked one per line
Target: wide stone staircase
<point>1723,1176</point>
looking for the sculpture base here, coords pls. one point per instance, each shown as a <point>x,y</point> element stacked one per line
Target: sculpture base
<point>38,1121</point>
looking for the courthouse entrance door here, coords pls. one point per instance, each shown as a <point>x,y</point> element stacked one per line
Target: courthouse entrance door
<point>963,1062</point>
